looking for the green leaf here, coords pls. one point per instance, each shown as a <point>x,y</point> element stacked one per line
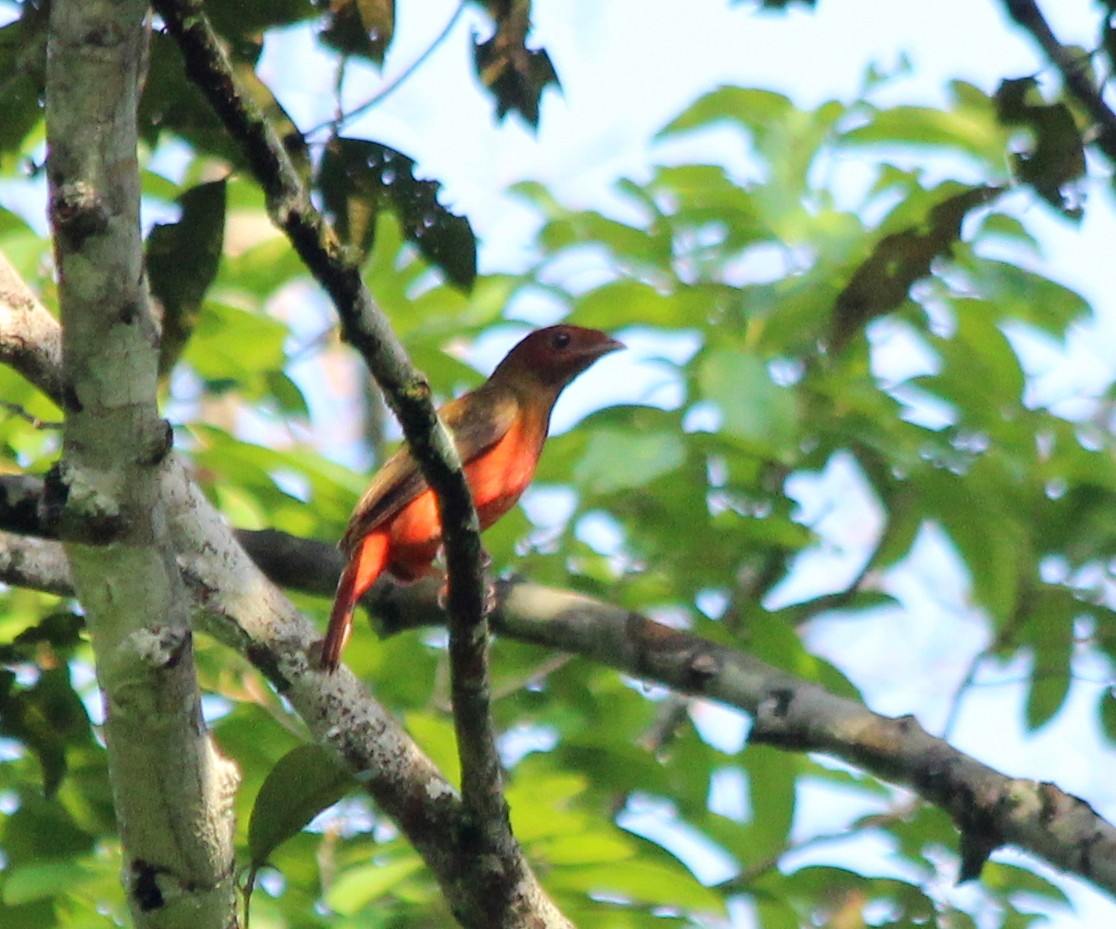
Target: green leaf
<point>22,64</point>
<point>754,110</point>
<point>754,409</point>
<point>627,242</point>
<point>969,128</point>
<point>40,829</point>
<point>182,261</point>
<point>620,459</point>
<point>47,717</point>
<point>436,737</point>
<point>1023,295</point>
<point>288,395</point>
<point>359,179</point>
<point>356,887</point>
<point>589,847</point>
<point>230,344</point>
<point>1051,638</point>
<point>1012,879</point>
<point>771,913</point>
<point>981,375</point>
<point>641,880</point>
<point>705,201</point>
<point>44,880</point>
<point>633,303</point>
<point>1009,229</point>
<point>1107,710</point>
<point>772,779</point>
<point>60,629</point>
<point>304,782</point>
<point>541,802</point>
<point>989,539</point>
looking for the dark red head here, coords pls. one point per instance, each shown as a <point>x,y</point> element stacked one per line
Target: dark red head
<point>554,356</point>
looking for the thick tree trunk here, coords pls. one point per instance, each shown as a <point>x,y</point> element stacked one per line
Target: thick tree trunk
<point>172,790</point>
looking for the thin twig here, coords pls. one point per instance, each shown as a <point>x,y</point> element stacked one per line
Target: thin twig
<point>963,688</point>
<point>340,119</point>
<point>16,410</point>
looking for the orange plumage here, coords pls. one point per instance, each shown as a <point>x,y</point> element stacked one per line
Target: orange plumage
<point>499,430</point>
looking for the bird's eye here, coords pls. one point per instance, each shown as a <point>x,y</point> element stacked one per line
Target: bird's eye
<point>560,339</point>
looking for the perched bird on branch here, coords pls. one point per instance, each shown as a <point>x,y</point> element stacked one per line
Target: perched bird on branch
<point>499,430</point>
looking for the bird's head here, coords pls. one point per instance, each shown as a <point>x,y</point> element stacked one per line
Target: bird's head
<point>554,356</point>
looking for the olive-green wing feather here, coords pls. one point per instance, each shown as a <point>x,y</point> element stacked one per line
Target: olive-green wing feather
<point>477,421</point>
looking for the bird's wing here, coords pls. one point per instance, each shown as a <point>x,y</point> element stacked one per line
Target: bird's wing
<point>477,421</point>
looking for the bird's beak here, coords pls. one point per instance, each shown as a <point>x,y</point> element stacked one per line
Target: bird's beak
<point>606,347</point>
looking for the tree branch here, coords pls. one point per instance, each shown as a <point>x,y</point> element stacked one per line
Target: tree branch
<point>342,119</point>
<point>408,394</point>
<point>35,564</point>
<point>990,808</point>
<point>30,340</point>
<point>1073,68</point>
<point>172,790</point>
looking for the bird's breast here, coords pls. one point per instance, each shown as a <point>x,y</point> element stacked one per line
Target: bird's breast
<point>499,476</point>
<point>497,479</point>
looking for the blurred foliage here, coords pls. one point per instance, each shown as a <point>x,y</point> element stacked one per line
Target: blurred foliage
<point>792,290</point>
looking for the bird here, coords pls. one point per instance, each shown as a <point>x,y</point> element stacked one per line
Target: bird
<point>498,429</point>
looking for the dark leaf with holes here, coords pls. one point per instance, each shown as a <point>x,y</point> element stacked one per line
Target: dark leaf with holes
<point>360,27</point>
<point>1056,157</point>
<point>515,74</point>
<point>172,103</point>
<point>359,179</point>
<point>240,22</point>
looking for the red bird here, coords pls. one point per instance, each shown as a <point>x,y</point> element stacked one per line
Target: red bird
<point>499,430</point>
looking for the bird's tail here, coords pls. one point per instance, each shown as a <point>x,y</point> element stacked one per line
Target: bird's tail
<point>364,566</point>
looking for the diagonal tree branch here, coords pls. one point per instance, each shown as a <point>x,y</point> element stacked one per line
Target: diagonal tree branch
<point>30,340</point>
<point>989,808</point>
<point>408,394</point>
